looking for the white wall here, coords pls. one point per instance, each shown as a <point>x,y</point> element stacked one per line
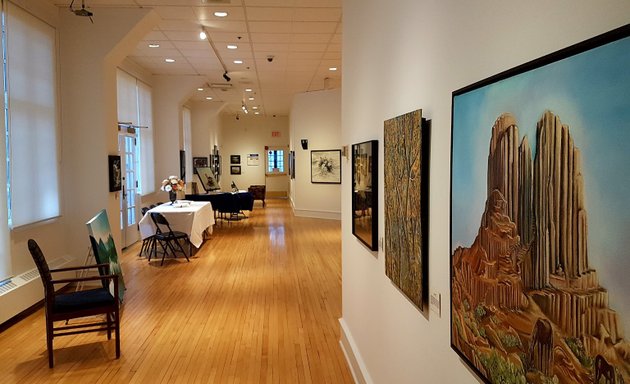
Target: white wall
<point>420,53</point>
<point>315,116</point>
<point>206,132</point>
<point>250,134</point>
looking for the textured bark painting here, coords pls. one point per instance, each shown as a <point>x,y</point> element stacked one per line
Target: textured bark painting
<point>404,232</point>
<point>539,220</point>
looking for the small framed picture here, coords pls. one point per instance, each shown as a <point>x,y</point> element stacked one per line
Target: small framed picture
<point>115,173</point>
<point>235,170</point>
<point>200,162</point>
<point>235,159</point>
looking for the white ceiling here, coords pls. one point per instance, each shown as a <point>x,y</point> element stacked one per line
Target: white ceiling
<point>303,36</point>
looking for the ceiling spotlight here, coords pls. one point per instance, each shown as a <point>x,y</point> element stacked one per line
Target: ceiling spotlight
<point>169,60</point>
<point>254,107</point>
<point>238,61</point>
<point>256,113</point>
<point>208,97</point>
<point>251,99</point>
<point>200,89</point>
<point>226,77</point>
<point>154,45</point>
<point>248,89</point>
<point>232,46</point>
<point>202,35</point>
<point>332,68</point>
<point>220,14</point>
<point>244,108</point>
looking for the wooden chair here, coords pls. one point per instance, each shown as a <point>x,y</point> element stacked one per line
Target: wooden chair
<point>166,237</point>
<point>78,304</point>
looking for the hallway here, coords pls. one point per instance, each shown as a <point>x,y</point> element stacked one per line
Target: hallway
<point>258,303</point>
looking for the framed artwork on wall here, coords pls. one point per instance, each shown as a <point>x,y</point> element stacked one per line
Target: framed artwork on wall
<point>182,165</point>
<point>539,155</point>
<point>406,165</point>
<point>253,159</point>
<point>115,173</point>
<point>365,193</point>
<point>199,162</point>
<point>326,166</point>
<point>235,170</point>
<point>292,164</point>
<point>235,159</point>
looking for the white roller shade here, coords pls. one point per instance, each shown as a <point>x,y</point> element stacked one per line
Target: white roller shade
<point>32,118</point>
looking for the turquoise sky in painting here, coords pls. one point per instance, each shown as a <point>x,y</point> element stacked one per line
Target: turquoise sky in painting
<point>590,93</point>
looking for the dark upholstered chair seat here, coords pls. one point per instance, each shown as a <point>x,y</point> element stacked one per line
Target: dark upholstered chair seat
<point>83,300</point>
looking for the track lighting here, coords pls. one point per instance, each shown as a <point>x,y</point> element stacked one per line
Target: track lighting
<point>226,77</point>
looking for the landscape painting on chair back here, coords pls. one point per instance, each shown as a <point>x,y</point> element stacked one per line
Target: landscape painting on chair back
<point>540,218</point>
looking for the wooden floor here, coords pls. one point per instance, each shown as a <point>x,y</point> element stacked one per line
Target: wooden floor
<point>258,303</point>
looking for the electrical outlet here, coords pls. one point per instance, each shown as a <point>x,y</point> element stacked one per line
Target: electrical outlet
<point>435,303</point>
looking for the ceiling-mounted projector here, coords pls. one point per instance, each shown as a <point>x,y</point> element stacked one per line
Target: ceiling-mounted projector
<point>81,11</point>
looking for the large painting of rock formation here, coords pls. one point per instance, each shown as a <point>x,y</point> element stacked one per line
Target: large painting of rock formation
<point>406,151</point>
<point>540,211</point>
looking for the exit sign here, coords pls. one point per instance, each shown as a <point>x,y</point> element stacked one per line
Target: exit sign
<point>275,133</point>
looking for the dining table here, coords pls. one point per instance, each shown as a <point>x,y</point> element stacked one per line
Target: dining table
<point>194,218</point>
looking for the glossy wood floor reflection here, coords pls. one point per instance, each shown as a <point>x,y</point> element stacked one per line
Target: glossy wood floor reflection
<point>258,303</point>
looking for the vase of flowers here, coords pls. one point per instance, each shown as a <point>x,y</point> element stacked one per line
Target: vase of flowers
<point>172,184</point>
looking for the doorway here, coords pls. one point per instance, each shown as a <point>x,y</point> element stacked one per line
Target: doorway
<point>129,212</point>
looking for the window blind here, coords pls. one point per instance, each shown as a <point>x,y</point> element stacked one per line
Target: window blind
<point>32,118</point>
<point>187,124</point>
<point>145,114</point>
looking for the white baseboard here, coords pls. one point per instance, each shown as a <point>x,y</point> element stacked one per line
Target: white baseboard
<point>353,357</point>
<point>317,214</point>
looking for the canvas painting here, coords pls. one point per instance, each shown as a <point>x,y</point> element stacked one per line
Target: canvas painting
<point>539,218</point>
<point>326,166</point>
<point>98,227</point>
<point>406,214</point>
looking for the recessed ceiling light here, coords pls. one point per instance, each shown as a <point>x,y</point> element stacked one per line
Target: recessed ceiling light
<point>202,35</point>
<point>200,89</point>
<point>256,113</point>
<point>248,89</point>
<point>220,14</point>
<point>254,107</point>
<point>251,99</point>
<point>209,98</point>
<point>238,61</point>
<point>154,45</point>
<point>169,60</point>
<point>332,68</point>
<point>232,46</point>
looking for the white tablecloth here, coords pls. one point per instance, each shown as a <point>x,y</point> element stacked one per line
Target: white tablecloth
<point>192,220</point>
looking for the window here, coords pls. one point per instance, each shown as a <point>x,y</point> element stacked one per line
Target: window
<point>29,47</point>
<point>134,106</point>
<point>275,161</point>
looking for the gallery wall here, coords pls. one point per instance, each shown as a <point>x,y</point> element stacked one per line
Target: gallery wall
<point>250,134</point>
<point>316,117</point>
<point>420,54</point>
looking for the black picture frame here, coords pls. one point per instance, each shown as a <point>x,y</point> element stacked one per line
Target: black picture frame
<point>114,165</point>
<point>235,159</point>
<point>365,193</point>
<point>553,137</point>
<point>292,164</point>
<point>182,165</point>
<point>326,166</point>
<point>235,169</point>
<point>200,162</point>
